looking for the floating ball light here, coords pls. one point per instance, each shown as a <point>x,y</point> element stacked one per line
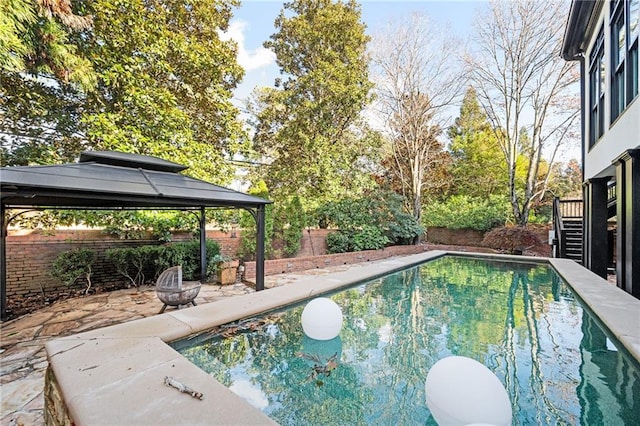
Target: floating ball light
<point>321,319</point>
<point>462,391</point>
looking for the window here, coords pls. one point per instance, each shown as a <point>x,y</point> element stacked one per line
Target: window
<point>625,17</point>
<point>596,90</point>
<point>634,33</point>
<point>618,56</point>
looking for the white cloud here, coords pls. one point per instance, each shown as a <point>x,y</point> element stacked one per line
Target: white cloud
<point>248,59</point>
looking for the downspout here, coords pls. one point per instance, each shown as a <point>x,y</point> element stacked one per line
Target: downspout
<point>3,263</point>
<point>583,90</point>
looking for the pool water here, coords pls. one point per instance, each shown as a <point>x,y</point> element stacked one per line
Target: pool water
<point>520,320</point>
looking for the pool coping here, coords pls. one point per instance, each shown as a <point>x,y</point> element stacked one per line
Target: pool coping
<point>115,375</point>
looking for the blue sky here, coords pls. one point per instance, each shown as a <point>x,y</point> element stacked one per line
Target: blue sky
<point>252,25</point>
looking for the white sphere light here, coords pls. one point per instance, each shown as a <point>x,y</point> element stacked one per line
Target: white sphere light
<point>321,319</point>
<point>462,391</point>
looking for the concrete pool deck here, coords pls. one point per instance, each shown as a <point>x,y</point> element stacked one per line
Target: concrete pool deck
<point>115,375</point>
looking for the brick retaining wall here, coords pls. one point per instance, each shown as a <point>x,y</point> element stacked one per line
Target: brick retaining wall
<point>281,266</point>
<point>31,254</point>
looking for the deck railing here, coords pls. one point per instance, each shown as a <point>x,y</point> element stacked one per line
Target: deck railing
<point>570,209</point>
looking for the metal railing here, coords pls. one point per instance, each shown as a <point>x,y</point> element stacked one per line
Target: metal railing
<point>611,193</point>
<point>560,238</point>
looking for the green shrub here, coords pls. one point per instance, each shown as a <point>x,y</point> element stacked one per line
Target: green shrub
<point>339,242</point>
<point>371,222</point>
<point>132,262</point>
<point>463,212</point>
<point>292,227</point>
<point>366,238</point>
<point>403,230</point>
<point>247,249</point>
<point>187,254</point>
<point>514,239</point>
<point>71,265</point>
<point>369,238</point>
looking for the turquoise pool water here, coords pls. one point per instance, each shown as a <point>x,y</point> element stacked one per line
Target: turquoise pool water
<point>520,320</point>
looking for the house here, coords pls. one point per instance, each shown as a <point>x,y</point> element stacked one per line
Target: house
<point>603,37</point>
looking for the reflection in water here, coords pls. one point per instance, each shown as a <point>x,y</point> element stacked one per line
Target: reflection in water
<point>520,320</point>
<point>610,385</point>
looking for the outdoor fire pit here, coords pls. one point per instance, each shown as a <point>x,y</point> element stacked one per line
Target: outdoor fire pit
<point>173,292</point>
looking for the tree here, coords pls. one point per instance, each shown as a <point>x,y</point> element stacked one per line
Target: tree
<point>41,76</point>
<point>477,169</point>
<point>166,81</point>
<point>566,181</point>
<point>414,85</point>
<point>523,83</point>
<point>160,84</point>
<point>307,127</point>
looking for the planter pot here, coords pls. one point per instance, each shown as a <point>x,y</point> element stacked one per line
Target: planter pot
<point>227,272</point>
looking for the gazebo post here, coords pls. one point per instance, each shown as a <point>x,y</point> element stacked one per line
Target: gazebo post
<point>203,245</point>
<point>260,248</point>
<point>3,264</point>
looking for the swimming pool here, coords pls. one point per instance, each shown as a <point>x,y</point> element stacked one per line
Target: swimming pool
<point>124,365</point>
<point>519,319</point>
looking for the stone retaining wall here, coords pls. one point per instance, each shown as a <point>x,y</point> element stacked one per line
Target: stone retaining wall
<point>55,409</point>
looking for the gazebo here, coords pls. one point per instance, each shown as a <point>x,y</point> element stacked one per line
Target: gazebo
<point>108,180</point>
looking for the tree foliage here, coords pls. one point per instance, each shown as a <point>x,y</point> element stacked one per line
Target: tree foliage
<point>308,127</point>
<point>42,74</point>
<point>148,77</point>
<point>477,166</point>
<point>569,180</point>
<point>518,72</point>
<point>166,80</point>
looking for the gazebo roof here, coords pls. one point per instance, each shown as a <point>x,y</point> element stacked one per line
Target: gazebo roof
<point>115,180</point>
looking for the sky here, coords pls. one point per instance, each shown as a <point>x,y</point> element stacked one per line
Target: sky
<point>252,25</point>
